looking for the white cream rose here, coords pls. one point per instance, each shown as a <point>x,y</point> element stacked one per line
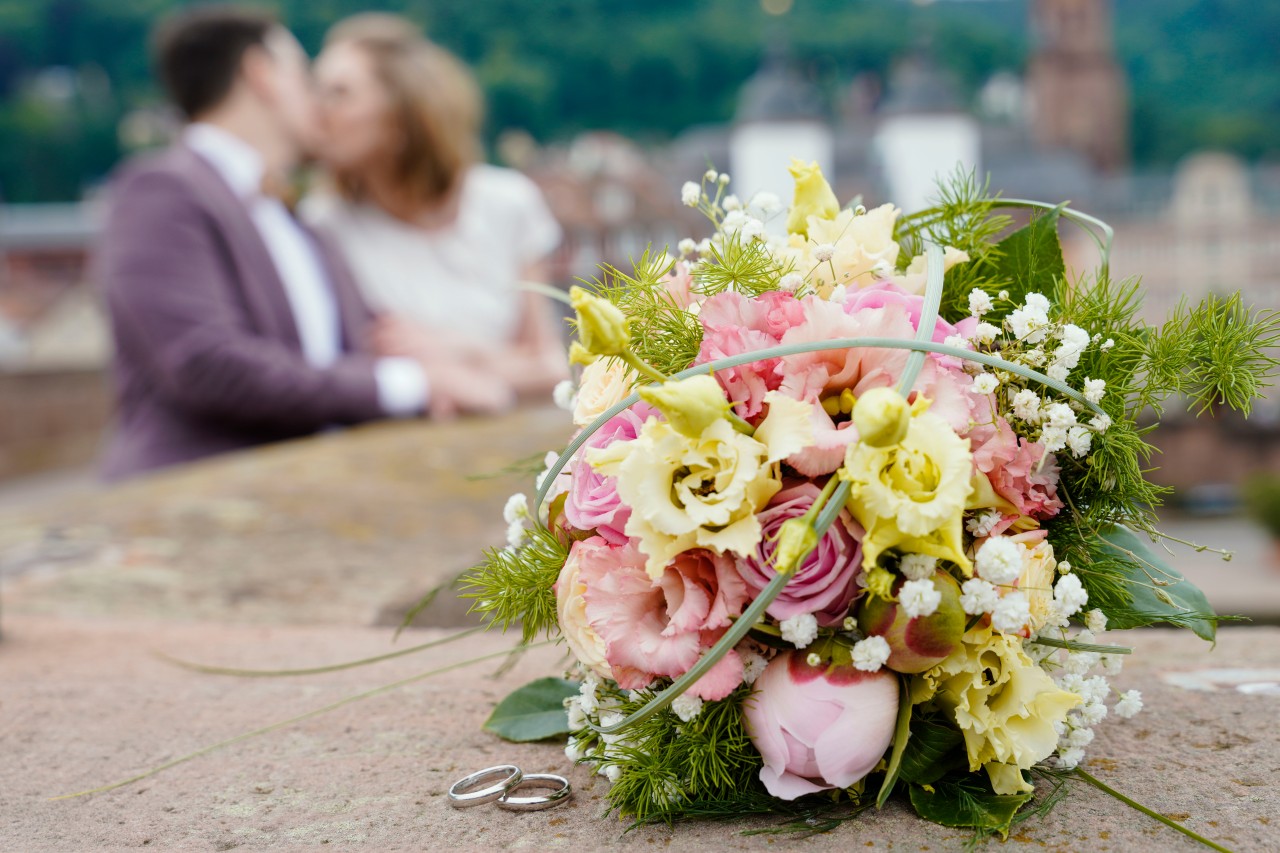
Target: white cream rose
<point>571,613</point>
<point>605,382</point>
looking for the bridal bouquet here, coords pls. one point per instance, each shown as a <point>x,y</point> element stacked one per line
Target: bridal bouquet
<point>854,497</point>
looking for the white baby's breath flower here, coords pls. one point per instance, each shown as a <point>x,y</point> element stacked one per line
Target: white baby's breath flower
<point>982,525</point>
<point>752,229</point>
<point>711,176</point>
<point>1130,703</point>
<point>1058,372</point>
<point>791,282</point>
<point>517,507</point>
<point>1093,713</point>
<point>1079,738</point>
<point>1069,595</point>
<point>686,706</point>
<point>1060,415</point>
<point>612,772</point>
<point>704,246</point>
<point>1012,613</point>
<point>1037,302</point>
<point>1078,439</point>
<point>734,221</point>
<point>979,302</point>
<point>1004,296</point>
<point>516,533</point>
<point>1101,423</point>
<point>1094,389</point>
<point>752,665</point>
<point>978,597</point>
<point>1026,406</point>
<point>687,246</point>
<point>985,383</point>
<point>986,333</point>
<point>731,202</point>
<point>999,561</point>
<point>800,630</point>
<point>563,394</point>
<point>813,659</point>
<point>849,622</point>
<point>1054,438</point>
<point>1113,665</point>
<point>766,202</point>
<point>690,194</point>
<point>1070,759</point>
<point>1064,568</point>
<point>1107,344</point>
<point>1029,323</point>
<point>919,598</point>
<point>723,178</point>
<point>957,341</point>
<point>1096,620</point>
<point>917,567</point>
<point>823,252</point>
<point>870,654</point>
<point>573,750</point>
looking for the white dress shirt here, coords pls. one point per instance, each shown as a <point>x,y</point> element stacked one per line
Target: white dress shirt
<point>402,383</point>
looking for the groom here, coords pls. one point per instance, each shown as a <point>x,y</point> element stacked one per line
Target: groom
<point>234,325</point>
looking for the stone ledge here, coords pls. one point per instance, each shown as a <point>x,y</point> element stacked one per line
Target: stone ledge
<point>85,702</point>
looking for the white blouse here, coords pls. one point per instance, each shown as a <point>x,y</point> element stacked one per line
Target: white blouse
<point>463,276</point>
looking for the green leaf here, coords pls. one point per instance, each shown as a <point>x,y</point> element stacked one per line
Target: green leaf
<point>933,750</point>
<point>1030,259</point>
<point>534,712</point>
<point>968,803</point>
<point>1160,593</point>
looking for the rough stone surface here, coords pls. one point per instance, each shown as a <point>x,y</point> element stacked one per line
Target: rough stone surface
<point>294,555</point>
<point>86,703</point>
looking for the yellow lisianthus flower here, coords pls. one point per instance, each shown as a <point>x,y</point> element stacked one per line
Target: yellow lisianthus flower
<point>702,492</point>
<point>813,197</point>
<point>689,405</point>
<point>912,496</point>
<point>862,248</point>
<point>1004,703</point>
<point>882,417</point>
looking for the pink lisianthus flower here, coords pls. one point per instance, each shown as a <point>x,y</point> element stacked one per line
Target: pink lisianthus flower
<point>819,727</point>
<point>816,376</point>
<point>592,502</point>
<point>1019,470</point>
<point>882,294</point>
<point>660,628</point>
<point>679,286</point>
<point>734,324</point>
<point>826,582</point>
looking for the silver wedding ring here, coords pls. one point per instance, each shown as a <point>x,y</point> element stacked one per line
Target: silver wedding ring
<point>558,786</point>
<point>508,775</point>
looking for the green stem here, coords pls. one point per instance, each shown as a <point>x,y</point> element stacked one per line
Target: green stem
<point>283,723</point>
<point>1133,804</point>
<point>316,670</point>
<point>736,631</point>
<point>644,368</point>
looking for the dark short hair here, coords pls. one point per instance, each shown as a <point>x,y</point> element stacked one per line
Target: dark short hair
<point>198,52</point>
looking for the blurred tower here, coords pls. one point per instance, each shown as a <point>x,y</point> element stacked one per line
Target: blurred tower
<point>780,115</point>
<point>1078,92</point>
<point>924,133</point>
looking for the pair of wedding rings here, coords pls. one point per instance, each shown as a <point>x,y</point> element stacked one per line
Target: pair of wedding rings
<point>509,780</point>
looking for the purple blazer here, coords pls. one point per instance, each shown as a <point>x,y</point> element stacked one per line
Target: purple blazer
<point>207,356</point>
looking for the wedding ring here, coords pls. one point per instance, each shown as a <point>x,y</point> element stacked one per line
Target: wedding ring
<point>558,785</point>
<point>509,776</point>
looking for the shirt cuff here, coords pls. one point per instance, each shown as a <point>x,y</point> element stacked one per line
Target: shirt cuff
<point>403,390</point>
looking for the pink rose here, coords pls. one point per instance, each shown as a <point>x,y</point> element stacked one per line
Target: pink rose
<point>734,324</point>
<point>660,629</point>
<point>1019,470</point>
<point>593,502</point>
<point>819,727</point>
<point>817,376</point>
<point>826,582</point>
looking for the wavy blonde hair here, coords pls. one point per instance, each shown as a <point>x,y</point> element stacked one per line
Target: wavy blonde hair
<point>437,107</point>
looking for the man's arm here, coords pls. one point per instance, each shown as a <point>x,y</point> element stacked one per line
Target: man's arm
<point>166,286</point>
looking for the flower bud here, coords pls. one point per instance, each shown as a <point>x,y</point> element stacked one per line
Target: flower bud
<point>882,417</point>
<point>690,405</point>
<point>813,197</point>
<point>578,354</point>
<point>796,539</point>
<point>602,328</point>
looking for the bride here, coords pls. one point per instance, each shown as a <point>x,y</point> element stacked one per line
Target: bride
<point>438,241</point>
